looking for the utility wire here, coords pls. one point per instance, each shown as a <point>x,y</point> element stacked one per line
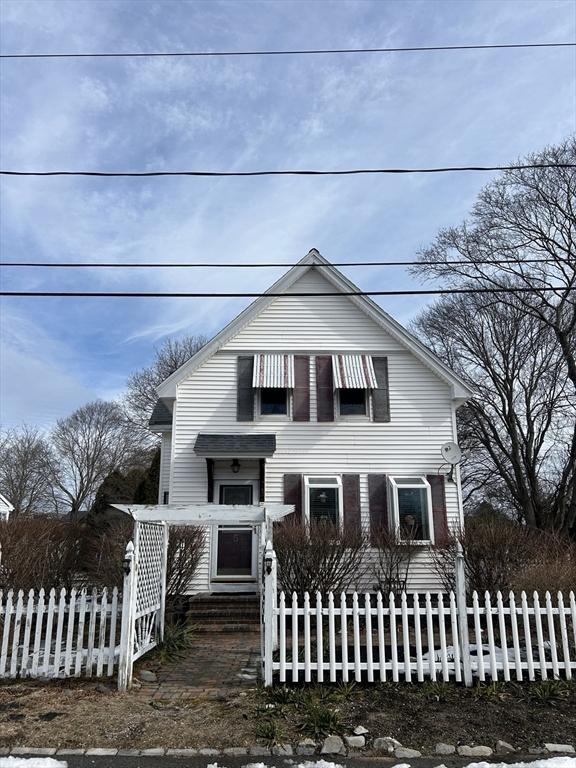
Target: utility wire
<point>345,172</point>
<point>143,295</point>
<point>297,52</point>
<point>230,265</point>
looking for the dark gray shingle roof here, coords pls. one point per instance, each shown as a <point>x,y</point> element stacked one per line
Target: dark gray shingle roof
<point>231,445</point>
<point>161,415</point>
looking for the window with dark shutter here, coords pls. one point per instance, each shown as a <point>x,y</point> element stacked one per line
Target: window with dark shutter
<point>378,505</point>
<point>439,514</point>
<point>324,388</point>
<point>301,396</point>
<point>293,495</point>
<point>351,503</point>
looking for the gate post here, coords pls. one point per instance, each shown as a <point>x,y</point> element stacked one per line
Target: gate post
<point>163,582</point>
<point>127,627</point>
<point>460,587</point>
<point>268,617</point>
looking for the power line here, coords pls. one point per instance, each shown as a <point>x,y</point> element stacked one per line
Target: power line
<point>345,172</point>
<point>233,265</point>
<point>296,52</point>
<point>149,295</point>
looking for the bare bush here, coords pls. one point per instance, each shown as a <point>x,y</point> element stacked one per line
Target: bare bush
<point>321,558</point>
<point>393,559</point>
<point>39,551</point>
<point>186,545</point>
<point>501,554</point>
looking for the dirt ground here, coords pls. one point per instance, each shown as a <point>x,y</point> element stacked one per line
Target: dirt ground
<point>84,714</point>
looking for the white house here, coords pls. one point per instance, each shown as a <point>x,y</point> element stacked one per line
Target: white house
<point>322,402</point>
<point>5,508</point>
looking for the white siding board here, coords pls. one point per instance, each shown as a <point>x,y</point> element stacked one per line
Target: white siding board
<point>165,458</point>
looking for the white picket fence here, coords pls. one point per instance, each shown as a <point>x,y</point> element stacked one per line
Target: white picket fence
<point>59,634</point>
<point>375,638</point>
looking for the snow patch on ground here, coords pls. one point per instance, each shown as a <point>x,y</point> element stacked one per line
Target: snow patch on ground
<point>31,762</point>
<point>547,762</point>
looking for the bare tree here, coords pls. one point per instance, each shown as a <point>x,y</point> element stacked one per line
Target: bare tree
<point>141,393</point>
<point>521,234</point>
<point>86,447</point>
<point>23,471</point>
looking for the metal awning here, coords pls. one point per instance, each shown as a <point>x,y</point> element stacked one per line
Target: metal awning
<point>273,371</point>
<point>234,446</point>
<point>206,514</point>
<point>353,372</point>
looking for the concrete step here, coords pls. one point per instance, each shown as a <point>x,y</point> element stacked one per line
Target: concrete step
<point>207,628</point>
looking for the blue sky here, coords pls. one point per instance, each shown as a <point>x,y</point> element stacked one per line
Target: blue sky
<point>413,109</point>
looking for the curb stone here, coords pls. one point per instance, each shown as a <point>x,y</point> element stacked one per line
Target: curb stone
<point>560,748</point>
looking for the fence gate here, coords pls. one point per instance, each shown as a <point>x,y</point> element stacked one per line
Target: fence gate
<point>144,596</point>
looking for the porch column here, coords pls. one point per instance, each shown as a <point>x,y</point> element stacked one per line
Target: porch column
<point>210,480</point>
<point>262,481</point>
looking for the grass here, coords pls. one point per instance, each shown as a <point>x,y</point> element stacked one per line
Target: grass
<point>177,639</point>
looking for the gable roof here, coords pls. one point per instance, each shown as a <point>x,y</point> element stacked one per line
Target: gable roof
<point>460,390</point>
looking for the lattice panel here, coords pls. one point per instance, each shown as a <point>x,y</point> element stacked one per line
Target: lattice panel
<point>149,576</point>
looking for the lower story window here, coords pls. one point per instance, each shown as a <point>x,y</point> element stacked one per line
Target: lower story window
<point>323,500</point>
<point>412,508</point>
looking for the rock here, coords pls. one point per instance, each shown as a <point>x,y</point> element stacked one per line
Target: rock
<point>147,676</point>
<point>444,749</point>
<point>503,748</point>
<point>356,742</point>
<point>306,747</point>
<point>404,752</point>
<point>333,745</point>
<point>243,695</point>
<point>536,751</point>
<point>360,730</point>
<point>561,749</point>
<point>235,751</point>
<point>257,750</point>
<point>101,688</point>
<point>480,751</point>
<point>282,749</point>
<point>386,744</point>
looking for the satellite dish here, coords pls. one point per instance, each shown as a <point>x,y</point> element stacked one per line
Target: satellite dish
<point>451,452</point>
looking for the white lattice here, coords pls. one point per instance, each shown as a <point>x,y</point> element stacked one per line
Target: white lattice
<point>149,563</point>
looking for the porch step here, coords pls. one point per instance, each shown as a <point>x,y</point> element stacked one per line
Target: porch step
<point>224,613</point>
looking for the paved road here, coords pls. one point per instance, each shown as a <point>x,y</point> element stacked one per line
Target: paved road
<point>84,761</point>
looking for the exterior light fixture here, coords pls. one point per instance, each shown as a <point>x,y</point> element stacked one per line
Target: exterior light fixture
<point>235,466</point>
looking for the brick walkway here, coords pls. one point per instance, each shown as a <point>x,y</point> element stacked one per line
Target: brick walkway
<point>215,664</point>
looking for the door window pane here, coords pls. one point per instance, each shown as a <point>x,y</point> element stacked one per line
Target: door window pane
<point>324,505</point>
<point>413,513</point>
<point>273,402</point>
<point>234,553</point>
<point>352,402</point>
<point>235,494</point>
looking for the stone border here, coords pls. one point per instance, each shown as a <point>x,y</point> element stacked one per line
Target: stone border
<point>332,745</point>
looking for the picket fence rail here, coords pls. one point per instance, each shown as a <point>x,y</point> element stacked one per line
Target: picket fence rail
<point>64,634</point>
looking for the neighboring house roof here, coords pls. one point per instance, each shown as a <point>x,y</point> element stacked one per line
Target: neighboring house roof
<point>161,415</point>
<point>213,446</point>
<point>460,390</point>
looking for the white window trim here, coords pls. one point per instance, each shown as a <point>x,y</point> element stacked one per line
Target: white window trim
<point>337,484</point>
<point>274,416</point>
<point>358,417</point>
<point>394,506</point>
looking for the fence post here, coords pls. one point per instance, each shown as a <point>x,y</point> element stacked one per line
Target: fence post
<point>127,627</point>
<point>460,587</point>
<point>268,617</point>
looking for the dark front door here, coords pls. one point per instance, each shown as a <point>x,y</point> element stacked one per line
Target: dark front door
<point>234,551</point>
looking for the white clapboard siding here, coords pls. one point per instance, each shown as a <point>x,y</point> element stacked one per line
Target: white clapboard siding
<point>372,638</point>
<point>59,634</point>
<point>420,403</point>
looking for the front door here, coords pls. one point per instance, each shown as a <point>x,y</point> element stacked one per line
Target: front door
<point>233,559</point>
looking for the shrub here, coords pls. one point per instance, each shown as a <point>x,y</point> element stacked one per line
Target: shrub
<point>321,558</point>
<point>40,551</point>
<point>501,554</point>
<point>393,559</point>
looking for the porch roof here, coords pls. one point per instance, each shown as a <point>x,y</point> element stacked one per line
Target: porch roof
<point>206,514</point>
<point>231,446</point>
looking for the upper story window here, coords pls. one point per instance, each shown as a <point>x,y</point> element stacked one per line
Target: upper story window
<point>323,500</point>
<point>353,402</point>
<point>274,402</point>
<point>411,502</point>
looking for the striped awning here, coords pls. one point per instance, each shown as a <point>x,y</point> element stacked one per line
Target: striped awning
<point>273,371</point>
<point>353,372</point>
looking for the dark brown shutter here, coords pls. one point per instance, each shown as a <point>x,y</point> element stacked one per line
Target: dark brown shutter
<point>301,403</point>
<point>381,395</point>
<point>351,503</point>
<point>438,507</point>
<point>378,503</point>
<point>293,495</point>
<point>245,392</point>
<point>324,388</point>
